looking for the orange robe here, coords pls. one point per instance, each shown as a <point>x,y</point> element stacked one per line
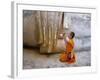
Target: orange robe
<point>65,56</point>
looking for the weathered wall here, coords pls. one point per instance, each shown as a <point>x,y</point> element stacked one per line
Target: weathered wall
<point>80,23</point>
<point>30,35</point>
<point>77,22</point>
<point>41,28</point>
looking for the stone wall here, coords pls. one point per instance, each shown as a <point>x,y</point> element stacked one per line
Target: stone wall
<point>80,23</point>
<point>30,35</point>
<point>40,28</point>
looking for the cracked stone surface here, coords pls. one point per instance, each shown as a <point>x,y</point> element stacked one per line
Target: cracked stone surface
<point>33,59</point>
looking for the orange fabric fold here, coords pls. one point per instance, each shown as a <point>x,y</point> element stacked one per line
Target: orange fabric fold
<point>66,56</point>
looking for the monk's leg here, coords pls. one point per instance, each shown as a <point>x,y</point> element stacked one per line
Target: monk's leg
<point>63,57</point>
<point>73,59</point>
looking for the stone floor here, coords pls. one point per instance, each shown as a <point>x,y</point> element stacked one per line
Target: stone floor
<point>32,59</point>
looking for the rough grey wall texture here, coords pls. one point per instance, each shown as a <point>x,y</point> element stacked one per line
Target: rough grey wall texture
<point>29,32</point>
<point>80,23</point>
<point>41,27</point>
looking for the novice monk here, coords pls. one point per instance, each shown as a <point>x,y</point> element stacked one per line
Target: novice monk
<point>69,56</point>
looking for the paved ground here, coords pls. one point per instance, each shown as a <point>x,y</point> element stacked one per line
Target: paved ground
<point>33,59</point>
